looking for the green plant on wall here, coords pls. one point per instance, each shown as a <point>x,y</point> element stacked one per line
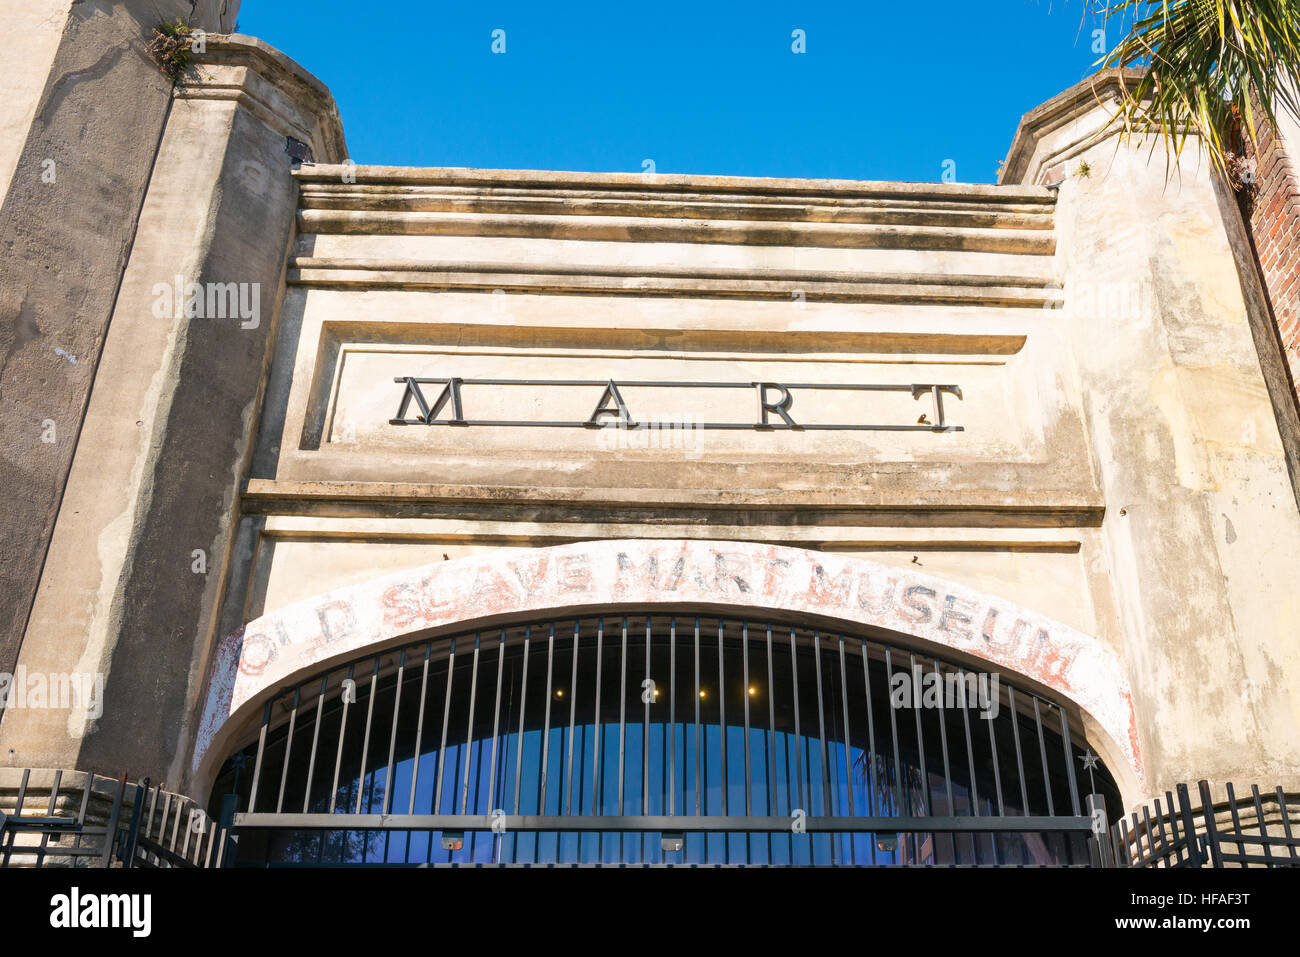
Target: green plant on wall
<point>1203,62</point>
<point>170,48</point>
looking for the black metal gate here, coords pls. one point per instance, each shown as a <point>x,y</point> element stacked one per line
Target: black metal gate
<point>653,738</point>
<point>79,819</point>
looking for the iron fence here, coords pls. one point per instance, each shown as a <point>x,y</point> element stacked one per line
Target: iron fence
<point>80,819</point>
<point>1184,832</point>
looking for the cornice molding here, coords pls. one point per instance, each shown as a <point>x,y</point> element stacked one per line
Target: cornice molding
<point>297,84</point>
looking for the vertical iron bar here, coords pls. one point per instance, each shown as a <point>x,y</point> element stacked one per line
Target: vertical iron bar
<point>672,718</point>
<point>722,720</point>
<point>1173,827</point>
<point>446,718</point>
<point>744,657</point>
<point>1119,850</point>
<point>153,806</point>
<point>1286,823</point>
<point>1150,831</point>
<point>365,741</point>
<point>970,762</point>
<point>18,809</point>
<point>496,723</point>
<point>771,728</point>
<point>869,764</point>
<point>288,747</point>
<point>699,769</point>
<point>546,723</point>
<point>827,807</point>
<point>1263,828</point>
<point>920,744</point>
<point>597,791</point>
<point>943,741</point>
<point>1069,762</point>
<point>315,741</point>
<point>997,773</point>
<point>261,749</point>
<point>573,712</point>
<point>622,716</point>
<point>53,804</point>
<point>848,752</point>
<point>419,728</point>
<point>1042,751</point>
<point>1020,760</point>
<point>1207,811</point>
<point>900,807</point>
<point>387,804</point>
<point>523,709</point>
<point>110,832</point>
<point>645,732</point>
<point>469,725</point>
<point>798,735</point>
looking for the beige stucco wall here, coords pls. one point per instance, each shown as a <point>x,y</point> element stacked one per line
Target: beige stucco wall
<point>24,70</point>
<point>1118,470</point>
<point>578,276</point>
<point>1200,536</point>
<point>1113,432</point>
<point>155,478</point>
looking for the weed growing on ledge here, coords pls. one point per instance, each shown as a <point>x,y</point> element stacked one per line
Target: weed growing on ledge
<point>170,48</point>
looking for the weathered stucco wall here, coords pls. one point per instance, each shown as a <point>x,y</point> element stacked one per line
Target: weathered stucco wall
<point>1201,534</point>
<point>562,276</point>
<point>1119,475</point>
<point>83,111</point>
<point>137,562</point>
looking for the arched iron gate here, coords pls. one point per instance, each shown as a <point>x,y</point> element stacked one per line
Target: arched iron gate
<point>658,738</point>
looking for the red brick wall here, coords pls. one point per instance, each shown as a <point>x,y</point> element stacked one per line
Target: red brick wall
<point>1273,215</point>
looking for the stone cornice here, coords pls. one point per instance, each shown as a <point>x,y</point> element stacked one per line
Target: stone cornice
<point>305,91</point>
<point>837,189</point>
<point>1057,507</point>
<point>1086,96</point>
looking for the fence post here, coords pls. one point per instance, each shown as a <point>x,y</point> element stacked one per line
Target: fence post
<point>133,831</point>
<point>1099,844</point>
<point>110,832</point>
<point>229,845</point>
<point>1211,831</point>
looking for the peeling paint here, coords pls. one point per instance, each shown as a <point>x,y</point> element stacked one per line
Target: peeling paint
<point>295,641</point>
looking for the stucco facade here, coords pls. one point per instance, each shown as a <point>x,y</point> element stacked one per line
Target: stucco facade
<point>1082,471</point>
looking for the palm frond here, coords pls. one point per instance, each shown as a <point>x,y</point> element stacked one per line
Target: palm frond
<point>1207,64</point>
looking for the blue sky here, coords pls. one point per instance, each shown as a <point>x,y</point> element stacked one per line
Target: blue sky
<point>883,91</point>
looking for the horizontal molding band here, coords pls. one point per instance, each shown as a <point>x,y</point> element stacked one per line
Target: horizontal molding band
<point>1037,242</point>
<point>675,272</point>
<point>773,209</point>
<point>522,533</point>
<point>666,183</point>
<point>1059,509</point>
<point>1013,291</point>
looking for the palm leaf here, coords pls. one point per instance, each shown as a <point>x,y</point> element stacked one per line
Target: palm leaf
<point>1206,66</point>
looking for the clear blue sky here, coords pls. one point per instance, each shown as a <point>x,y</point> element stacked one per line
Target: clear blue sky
<point>885,91</point>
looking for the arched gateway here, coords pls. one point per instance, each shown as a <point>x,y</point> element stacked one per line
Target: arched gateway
<point>669,701</point>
